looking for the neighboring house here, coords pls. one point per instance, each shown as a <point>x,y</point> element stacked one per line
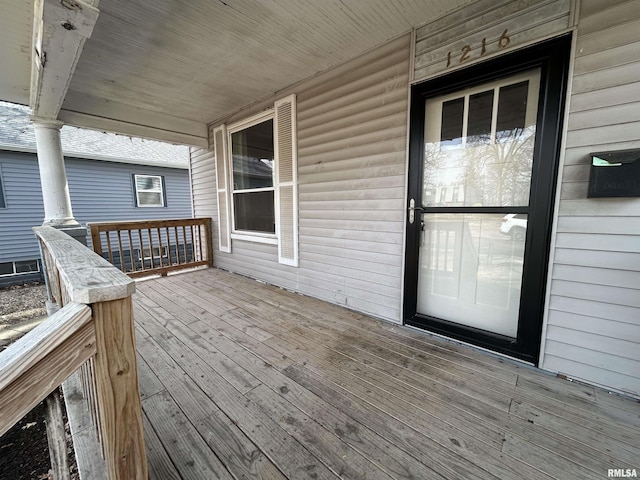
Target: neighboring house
<point>111,178</point>
<point>400,136</point>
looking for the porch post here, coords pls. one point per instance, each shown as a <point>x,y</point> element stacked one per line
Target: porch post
<point>53,178</point>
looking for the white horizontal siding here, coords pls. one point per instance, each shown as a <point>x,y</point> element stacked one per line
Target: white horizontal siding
<point>595,309</point>
<point>440,44</point>
<point>593,327</point>
<point>570,358</point>
<point>613,225</point>
<point>597,276</point>
<point>351,175</point>
<point>601,327</point>
<point>599,259</point>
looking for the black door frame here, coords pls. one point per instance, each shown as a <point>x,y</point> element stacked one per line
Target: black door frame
<point>552,57</point>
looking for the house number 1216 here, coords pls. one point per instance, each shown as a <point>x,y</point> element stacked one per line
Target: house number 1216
<point>503,42</point>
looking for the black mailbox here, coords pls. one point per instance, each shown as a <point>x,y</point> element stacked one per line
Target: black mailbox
<point>615,174</point>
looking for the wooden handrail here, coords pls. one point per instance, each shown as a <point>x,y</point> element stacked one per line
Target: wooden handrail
<point>152,247</point>
<point>76,275</point>
<point>33,366</point>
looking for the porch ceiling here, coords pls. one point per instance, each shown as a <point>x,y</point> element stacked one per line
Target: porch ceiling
<point>176,66</point>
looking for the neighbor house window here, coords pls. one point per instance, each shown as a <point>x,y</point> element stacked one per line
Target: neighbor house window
<point>149,190</point>
<point>18,268</point>
<point>252,163</point>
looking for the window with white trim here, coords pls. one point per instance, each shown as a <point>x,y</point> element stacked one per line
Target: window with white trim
<point>256,180</point>
<point>149,190</point>
<point>252,166</point>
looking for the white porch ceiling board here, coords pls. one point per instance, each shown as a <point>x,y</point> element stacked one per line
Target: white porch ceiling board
<point>202,60</point>
<point>16,25</point>
<point>166,68</point>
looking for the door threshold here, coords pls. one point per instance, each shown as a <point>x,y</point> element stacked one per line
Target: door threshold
<point>471,345</point>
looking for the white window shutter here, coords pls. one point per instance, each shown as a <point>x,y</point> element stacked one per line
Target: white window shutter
<point>286,152</point>
<point>222,184</point>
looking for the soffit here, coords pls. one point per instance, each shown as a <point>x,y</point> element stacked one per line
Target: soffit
<point>178,65</point>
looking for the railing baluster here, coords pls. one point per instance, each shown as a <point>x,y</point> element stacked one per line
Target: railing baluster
<point>153,258</point>
<point>96,242</point>
<point>56,437</point>
<point>184,237</point>
<point>141,250</point>
<point>209,241</point>
<point>183,249</point>
<point>133,259</point>
<point>160,252</point>
<point>123,267</point>
<point>200,241</point>
<point>109,247</point>
<point>94,406</point>
<point>193,244</point>
<point>59,286</point>
<point>166,231</point>
<point>175,230</point>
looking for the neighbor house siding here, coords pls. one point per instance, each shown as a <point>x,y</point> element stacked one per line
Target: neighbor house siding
<point>352,137</point>
<point>104,192</point>
<point>24,207</point>
<point>100,191</point>
<point>593,327</point>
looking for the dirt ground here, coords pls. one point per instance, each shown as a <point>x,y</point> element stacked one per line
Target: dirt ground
<point>21,303</point>
<point>24,453</point>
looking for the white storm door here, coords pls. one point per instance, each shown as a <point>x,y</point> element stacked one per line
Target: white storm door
<point>478,156</point>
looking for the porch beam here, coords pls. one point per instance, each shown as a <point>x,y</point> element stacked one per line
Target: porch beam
<point>152,125</point>
<point>60,29</point>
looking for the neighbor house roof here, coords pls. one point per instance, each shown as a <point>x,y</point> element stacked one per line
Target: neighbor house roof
<point>17,134</point>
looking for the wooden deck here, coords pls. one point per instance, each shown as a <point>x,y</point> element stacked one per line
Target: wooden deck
<point>244,380</point>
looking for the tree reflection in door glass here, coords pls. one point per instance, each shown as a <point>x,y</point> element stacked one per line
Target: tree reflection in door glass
<point>491,164</point>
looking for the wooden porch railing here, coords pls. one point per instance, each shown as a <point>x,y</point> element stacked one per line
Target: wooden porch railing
<point>150,247</point>
<point>93,334</point>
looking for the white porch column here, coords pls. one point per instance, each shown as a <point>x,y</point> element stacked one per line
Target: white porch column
<point>53,179</point>
<point>55,190</point>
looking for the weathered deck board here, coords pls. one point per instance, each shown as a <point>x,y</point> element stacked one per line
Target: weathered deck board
<point>160,465</point>
<point>240,455</point>
<point>245,380</point>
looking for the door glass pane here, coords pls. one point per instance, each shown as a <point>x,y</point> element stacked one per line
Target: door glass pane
<point>512,110</point>
<point>470,269</point>
<point>480,116</point>
<point>491,164</point>
<point>452,118</point>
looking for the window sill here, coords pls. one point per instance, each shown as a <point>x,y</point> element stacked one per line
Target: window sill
<point>255,237</point>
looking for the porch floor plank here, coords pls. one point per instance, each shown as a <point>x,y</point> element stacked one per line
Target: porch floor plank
<point>245,380</point>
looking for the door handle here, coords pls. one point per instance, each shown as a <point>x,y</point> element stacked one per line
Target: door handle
<point>412,210</point>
